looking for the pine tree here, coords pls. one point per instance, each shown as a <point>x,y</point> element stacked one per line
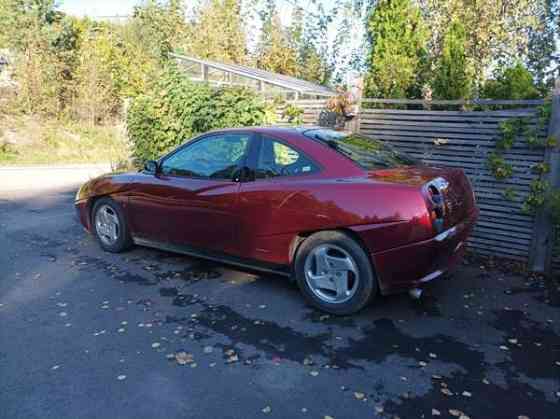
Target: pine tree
<point>398,56</point>
<point>219,32</point>
<point>305,32</point>
<point>453,77</point>
<point>276,52</point>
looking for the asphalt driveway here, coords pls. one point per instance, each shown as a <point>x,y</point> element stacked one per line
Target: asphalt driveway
<point>149,334</point>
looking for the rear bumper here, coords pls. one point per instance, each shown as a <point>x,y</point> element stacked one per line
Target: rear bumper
<point>412,265</point>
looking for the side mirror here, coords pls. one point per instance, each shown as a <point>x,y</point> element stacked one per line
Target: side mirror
<point>151,166</point>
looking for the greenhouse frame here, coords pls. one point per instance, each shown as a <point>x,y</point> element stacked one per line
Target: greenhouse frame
<point>271,85</point>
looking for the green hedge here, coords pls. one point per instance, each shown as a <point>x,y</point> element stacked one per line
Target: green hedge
<point>175,109</point>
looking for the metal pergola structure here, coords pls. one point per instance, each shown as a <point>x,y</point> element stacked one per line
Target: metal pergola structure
<point>270,84</point>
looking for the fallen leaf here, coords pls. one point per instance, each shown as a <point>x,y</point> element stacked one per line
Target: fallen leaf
<point>359,395</point>
<point>447,392</point>
<point>232,359</point>
<point>183,358</point>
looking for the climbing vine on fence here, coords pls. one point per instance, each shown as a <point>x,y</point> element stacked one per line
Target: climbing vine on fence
<point>541,194</point>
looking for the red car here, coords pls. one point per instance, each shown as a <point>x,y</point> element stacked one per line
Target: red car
<point>344,215</point>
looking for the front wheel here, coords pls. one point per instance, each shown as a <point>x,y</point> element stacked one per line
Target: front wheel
<point>334,273</point>
<point>109,226</point>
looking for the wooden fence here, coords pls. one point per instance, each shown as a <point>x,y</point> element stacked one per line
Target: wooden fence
<point>464,139</point>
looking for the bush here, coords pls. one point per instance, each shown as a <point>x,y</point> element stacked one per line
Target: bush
<point>511,83</point>
<point>175,109</point>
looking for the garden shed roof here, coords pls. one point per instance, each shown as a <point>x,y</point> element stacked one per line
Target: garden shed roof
<point>243,75</point>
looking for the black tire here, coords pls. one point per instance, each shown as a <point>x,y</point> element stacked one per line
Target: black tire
<point>367,285</point>
<point>124,240</point>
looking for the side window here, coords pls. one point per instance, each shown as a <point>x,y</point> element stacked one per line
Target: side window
<point>278,159</point>
<point>216,157</point>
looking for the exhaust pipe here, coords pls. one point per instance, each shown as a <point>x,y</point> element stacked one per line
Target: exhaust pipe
<point>415,293</point>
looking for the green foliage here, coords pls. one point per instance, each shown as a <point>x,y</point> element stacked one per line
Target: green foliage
<point>307,34</point>
<point>537,197</point>
<point>511,83</point>
<point>453,75</point>
<point>174,109</point>
<point>293,113</point>
<point>509,130</point>
<point>398,59</point>
<point>160,27</point>
<point>497,31</point>
<point>218,32</point>
<point>499,167</point>
<point>509,193</point>
<point>275,52</point>
<point>541,168</point>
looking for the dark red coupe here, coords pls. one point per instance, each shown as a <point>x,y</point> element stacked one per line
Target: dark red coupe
<point>344,215</point>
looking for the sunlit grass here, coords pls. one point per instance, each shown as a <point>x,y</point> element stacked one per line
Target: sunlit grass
<point>27,141</point>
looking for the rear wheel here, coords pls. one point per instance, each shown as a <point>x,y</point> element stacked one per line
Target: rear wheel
<point>109,226</point>
<point>334,273</point>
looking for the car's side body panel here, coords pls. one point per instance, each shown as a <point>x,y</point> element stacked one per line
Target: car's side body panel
<point>263,220</point>
<point>183,211</point>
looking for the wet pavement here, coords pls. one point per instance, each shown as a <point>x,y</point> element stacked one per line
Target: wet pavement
<point>149,334</point>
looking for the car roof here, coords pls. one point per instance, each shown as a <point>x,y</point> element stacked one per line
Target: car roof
<point>276,131</point>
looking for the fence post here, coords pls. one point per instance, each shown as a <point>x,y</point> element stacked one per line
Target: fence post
<point>543,238</point>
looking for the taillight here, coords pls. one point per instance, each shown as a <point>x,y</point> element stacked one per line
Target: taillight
<point>436,203</point>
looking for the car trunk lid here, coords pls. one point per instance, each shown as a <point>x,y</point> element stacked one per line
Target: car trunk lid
<point>448,191</point>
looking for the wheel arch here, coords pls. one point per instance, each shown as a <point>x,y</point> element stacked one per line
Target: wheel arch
<point>300,238</point>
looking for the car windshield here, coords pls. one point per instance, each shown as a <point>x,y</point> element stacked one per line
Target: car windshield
<point>368,152</point>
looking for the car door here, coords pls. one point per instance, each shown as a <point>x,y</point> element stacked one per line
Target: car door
<point>278,202</point>
<point>192,199</point>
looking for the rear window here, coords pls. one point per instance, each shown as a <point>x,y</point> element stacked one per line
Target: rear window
<point>369,153</point>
